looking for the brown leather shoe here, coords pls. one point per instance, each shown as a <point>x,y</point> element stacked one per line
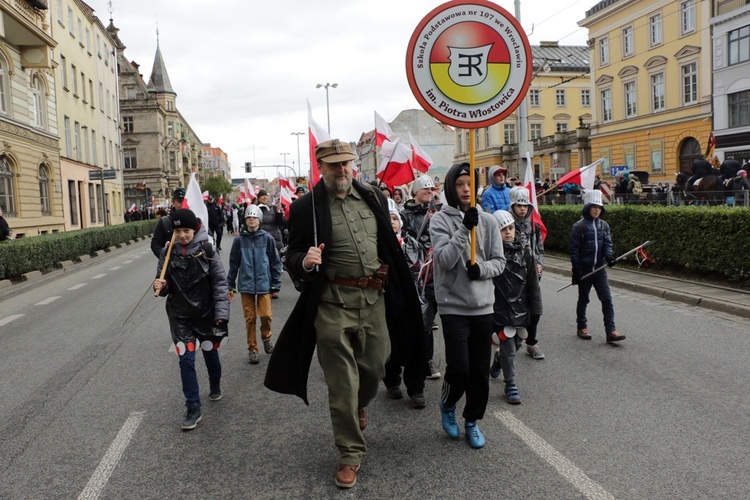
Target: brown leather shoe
<point>362,415</point>
<point>346,475</point>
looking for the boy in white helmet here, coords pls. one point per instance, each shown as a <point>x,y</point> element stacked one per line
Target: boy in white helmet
<point>590,247</point>
<point>255,270</point>
<point>517,299</point>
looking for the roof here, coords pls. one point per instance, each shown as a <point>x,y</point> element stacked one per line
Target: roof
<point>560,57</point>
<point>159,81</point>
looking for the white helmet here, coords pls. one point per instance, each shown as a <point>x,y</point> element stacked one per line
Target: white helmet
<point>423,182</point>
<point>503,218</point>
<point>519,195</point>
<point>253,211</point>
<point>593,197</point>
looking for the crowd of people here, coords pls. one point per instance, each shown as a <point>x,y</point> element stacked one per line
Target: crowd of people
<point>374,270</point>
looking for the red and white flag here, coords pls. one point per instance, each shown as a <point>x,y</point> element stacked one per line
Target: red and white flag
<point>221,198</point>
<point>583,176</point>
<point>205,195</point>
<point>395,169</point>
<point>316,135</point>
<point>286,191</point>
<point>383,131</point>
<point>249,190</point>
<point>421,160</point>
<point>132,208</point>
<point>528,183</point>
<point>194,201</point>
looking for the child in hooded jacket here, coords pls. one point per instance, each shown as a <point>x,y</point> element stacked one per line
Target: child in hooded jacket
<point>197,307</point>
<point>255,270</point>
<point>517,298</point>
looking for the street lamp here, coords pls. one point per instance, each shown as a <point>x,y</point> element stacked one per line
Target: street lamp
<point>328,110</point>
<point>298,158</point>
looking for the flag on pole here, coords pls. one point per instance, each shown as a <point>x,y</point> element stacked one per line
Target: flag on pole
<point>132,208</point>
<point>249,190</point>
<point>194,201</point>
<point>221,198</point>
<point>395,169</point>
<point>383,131</point>
<point>711,146</point>
<point>205,195</point>
<point>286,191</point>
<point>316,135</point>
<point>528,183</point>
<point>583,176</point>
<point>421,160</point>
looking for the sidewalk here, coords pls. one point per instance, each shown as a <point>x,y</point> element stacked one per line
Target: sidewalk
<point>717,298</point>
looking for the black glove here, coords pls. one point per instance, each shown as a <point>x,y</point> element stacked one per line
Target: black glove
<point>221,329</point>
<point>472,270</point>
<point>576,277</point>
<point>610,260</point>
<point>471,218</point>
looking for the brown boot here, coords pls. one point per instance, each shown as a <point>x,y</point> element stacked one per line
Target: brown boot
<point>362,415</point>
<point>346,475</point>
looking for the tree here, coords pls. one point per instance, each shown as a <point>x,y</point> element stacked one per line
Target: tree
<point>216,185</point>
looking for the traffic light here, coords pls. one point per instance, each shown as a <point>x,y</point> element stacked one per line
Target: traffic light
<point>248,167</point>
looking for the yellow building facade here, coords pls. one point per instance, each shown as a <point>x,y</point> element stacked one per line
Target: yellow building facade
<point>651,84</point>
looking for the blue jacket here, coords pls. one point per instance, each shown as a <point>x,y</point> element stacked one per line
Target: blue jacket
<point>590,242</point>
<point>254,262</point>
<point>496,198</point>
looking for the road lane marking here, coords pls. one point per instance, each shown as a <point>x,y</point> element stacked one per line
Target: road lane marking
<point>562,465</point>
<point>79,285</point>
<point>48,300</point>
<point>98,276</point>
<point>7,320</point>
<point>115,268</point>
<point>127,262</point>
<point>101,475</point>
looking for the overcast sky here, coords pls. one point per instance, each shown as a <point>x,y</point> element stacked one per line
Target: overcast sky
<point>243,70</point>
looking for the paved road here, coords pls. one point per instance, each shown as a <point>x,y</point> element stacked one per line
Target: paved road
<point>92,407</point>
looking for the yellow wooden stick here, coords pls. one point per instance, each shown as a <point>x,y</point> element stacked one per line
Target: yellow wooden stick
<point>473,200</point>
<point>166,261</point>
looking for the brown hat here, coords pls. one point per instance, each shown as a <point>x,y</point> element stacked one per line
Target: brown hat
<point>334,151</point>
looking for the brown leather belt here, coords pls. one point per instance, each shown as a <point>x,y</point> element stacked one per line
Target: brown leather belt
<point>370,281</point>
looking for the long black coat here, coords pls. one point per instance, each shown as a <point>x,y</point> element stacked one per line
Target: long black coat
<point>289,365</point>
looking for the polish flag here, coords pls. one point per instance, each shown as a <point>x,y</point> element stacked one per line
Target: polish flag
<point>221,198</point>
<point>583,176</point>
<point>528,183</point>
<point>250,191</point>
<point>194,201</point>
<point>316,135</point>
<point>205,195</point>
<point>132,208</point>
<point>286,192</point>
<point>383,131</point>
<point>395,169</point>
<point>421,160</point>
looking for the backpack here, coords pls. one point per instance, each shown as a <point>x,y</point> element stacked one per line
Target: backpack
<point>635,186</point>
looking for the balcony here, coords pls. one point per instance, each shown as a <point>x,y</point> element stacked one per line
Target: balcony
<point>724,6</point>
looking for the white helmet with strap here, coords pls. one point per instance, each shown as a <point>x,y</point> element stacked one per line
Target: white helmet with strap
<point>422,182</point>
<point>519,195</point>
<point>593,197</point>
<point>253,211</point>
<point>503,218</point>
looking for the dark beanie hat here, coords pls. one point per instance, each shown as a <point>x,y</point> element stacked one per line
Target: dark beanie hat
<point>262,192</point>
<point>184,218</point>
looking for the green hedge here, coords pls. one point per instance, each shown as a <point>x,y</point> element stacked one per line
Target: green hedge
<point>714,240</point>
<point>44,253</point>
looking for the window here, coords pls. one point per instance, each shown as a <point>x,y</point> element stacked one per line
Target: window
<point>560,98</point>
<point>60,13</point>
<point>487,144</point>
<point>460,143</point>
<point>3,87</point>
<point>131,93</point>
<point>170,129</point>
<point>104,151</point>
<point>73,203</point>
<point>85,133</point>
<point>509,133</point>
<point>91,92</point>
<point>687,16</point>
<point>170,106</point>
<point>77,130</point>
<point>109,106</point>
<point>44,191</point>
<point>536,130</point>
<point>64,69</point>
<point>585,98</point>
<point>80,32</point>
<point>71,26</point>
<point>630,100</point>
<point>604,51</point>
<point>627,42</point>
<point>562,126</point>
<point>690,83</point>
<point>739,109</point>
<point>93,148</point>
<point>657,92</point>
<point>172,162</point>
<point>38,102</point>
<point>88,41</point>
<point>83,88</point>
<point>739,45</point>
<point>130,158</point>
<point>92,203</point>
<point>98,44</point>
<point>534,98</point>
<point>606,96</point>
<point>127,124</point>
<point>68,138</point>
<point>655,32</point>
<point>7,194</point>
<point>101,97</point>
<point>476,139</point>
<point>74,79</point>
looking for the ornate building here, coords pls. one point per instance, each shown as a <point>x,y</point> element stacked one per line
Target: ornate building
<point>160,149</point>
<point>216,162</point>
<point>30,184</point>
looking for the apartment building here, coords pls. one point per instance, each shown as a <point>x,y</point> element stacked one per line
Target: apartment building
<point>651,84</point>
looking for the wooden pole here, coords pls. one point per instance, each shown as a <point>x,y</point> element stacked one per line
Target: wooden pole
<point>473,200</point>
<point>166,261</point>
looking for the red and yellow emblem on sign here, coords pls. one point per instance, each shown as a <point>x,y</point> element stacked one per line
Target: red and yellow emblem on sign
<point>469,63</point>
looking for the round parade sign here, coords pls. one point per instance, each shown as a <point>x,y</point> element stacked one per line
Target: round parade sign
<point>469,63</point>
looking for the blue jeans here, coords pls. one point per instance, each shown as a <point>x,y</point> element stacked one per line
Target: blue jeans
<point>601,285</point>
<point>190,379</point>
